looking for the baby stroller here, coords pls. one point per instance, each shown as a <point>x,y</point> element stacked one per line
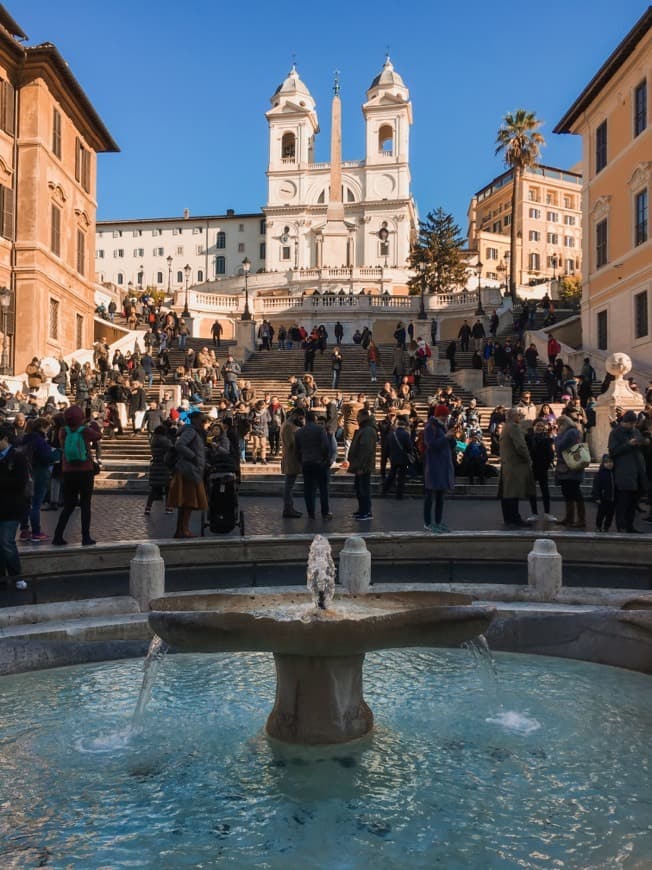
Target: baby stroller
<point>224,512</point>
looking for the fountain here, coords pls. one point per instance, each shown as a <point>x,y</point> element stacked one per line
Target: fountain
<point>319,641</point>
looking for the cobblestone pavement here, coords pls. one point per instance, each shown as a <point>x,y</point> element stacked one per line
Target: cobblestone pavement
<point>120,517</point>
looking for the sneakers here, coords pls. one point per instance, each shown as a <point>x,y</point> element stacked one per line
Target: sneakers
<point>291,514</point>
<point>532,518</point>
<point>148,511</point>
<point>88,542</point>
<point>21,584</point>
<point>550,517</point>
<point>25,535</point>
<point>59,542</point>
<point>365,517</point>
<point>37,538</point>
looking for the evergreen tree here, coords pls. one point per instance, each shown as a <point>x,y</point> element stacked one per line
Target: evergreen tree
<point>437,256</point>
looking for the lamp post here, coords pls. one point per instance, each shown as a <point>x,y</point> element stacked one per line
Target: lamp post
<point>186,270</point>
<point>554,263</point>
<point>501,268</point>
<point>422,310</point>
<point>141,282</point>
<point>479,311</point>
<point>5,303</point>
<point>169,260</point>
<point>246,266</point>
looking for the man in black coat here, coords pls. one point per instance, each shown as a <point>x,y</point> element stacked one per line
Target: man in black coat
<point>14,478</point>
<point>313,452</point>
<point>626,447</point>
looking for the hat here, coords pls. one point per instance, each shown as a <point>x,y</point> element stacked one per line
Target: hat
<point>441,411</point>
<point>629,417</point>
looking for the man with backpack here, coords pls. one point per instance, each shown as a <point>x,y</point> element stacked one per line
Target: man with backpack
<point>77,470</point>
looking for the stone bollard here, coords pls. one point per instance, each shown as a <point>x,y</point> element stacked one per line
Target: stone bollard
<point>544,569</point>
<point>146,575</point>
<point>355,566</point>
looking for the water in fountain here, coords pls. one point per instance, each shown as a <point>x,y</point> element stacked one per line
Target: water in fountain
<point>155,654</point>
<point>321,572</point>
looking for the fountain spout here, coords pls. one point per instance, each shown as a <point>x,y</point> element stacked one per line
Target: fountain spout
<point>321,572</point>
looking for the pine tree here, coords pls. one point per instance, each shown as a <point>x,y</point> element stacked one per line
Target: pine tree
<point>437,256</point>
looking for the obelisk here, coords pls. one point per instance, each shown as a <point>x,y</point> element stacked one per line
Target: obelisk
<point>335,232</point>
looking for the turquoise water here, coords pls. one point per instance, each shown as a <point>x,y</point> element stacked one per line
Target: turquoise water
<point>547,768</point>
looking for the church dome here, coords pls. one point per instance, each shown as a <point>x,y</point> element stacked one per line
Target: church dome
<point>388,77</point>
<point>291,86</point>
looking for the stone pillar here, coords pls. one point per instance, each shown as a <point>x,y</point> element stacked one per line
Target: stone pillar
<point>618,395</point>
<point>544,569</point>
<point>355,566</point>
<point>146,575</point>
<point>245,334</point>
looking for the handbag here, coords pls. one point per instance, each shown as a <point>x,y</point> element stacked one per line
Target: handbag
<point>577,457</point>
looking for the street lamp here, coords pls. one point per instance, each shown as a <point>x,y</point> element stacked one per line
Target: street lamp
<point>169,259</point>
<point>422,311</point>
<point>187,270</point>
<point>141,276</point>
<point>246,266</point>
<point>5,303</point>
<point>479,311</point>
<point>501,268</point>
<point>554,263</point>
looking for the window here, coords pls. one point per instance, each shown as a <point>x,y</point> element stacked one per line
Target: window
<point>6,212</point>
<point>534,262</point>
<point>83,165</point>
<point>56,133</point>
<point>496,227</point>
<point>534,194</point>
<point>491,253</point>
<point>640,108</point>
<point>200,276</point>
<point>55,230</point>
<point>288,146</point>
<point>199,249</point>
<point>120,278</point>
<point>570,267</point>
<point>7,120</point>
<point>534,236</point>
<point>569,202</point>
<point>601,243</point>
<point>81,252</point>
<point>179,277</point>
<point>386,140</point>
<point>569,241</point>
<point>262,227</point>
<point>53,320</point>
<point>535,214</point>
<point>640,315</point>
<point>117,234</point>
<point>220,240</point>
<point>140,279</point>
<point>601,147</point>
<point>241,228</point>
<point>552,238</point>
<point>159,277</point>
<point>569,220</point>
<point>119,252</point>
<point>177,231</point>
<point>79,330</point>
<point>507,220</point>
<point>285,252</point>
<point>179,250</point>
<point>552,217</point>
<point>220,266</point>
<point>158,252</point>
<point>241,247</point>
<point>262,250</point>
<point>551,198</point>
<point>139,252</point>
<point>137,234</point>
<point>196,231</point>
<point>602,330</point>
<point>640,218</point>
<point>157,232</point>
<point>99,254</point>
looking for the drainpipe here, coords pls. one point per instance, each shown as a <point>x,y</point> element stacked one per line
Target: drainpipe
<point>13,256</point>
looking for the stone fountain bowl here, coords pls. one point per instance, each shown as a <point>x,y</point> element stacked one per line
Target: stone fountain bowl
<point>289,624</point>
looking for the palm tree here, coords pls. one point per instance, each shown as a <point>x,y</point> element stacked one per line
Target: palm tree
<point>521,146</point>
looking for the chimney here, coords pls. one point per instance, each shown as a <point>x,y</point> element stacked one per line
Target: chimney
<point>186,214</point>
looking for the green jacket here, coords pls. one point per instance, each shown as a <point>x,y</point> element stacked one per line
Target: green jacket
<point>362,453</point>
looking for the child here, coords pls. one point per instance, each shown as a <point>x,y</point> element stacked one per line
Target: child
<point>604,494</point>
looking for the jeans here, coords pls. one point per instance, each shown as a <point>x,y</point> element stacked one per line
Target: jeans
<point>531,373</point>
<point>397,472</point>
<point>182,342</point>
<point>315,476</point>
<point>76,485</point>
<point>9,558</point>
<point>288,487</point>
<point>335,379</point>
<point>605,515</point>
<point>542,480</point>
<point>372,369</point>
<point>363,492</point>
<point>438,496</point>
<point>41,479</point>
<point>231,392</point>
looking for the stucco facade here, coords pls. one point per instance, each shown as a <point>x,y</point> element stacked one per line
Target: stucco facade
<point>549,225</point>
<point>49,138</point>
<point>612,115</point>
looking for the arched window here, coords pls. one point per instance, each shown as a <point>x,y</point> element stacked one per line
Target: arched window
<point>179,277</point>
<point>322,197</point>
<point>288,146</point>
<point>350,196</point>
<point>120,279</point>
<point>220,240</point>
<point>220,265</point>
<point>534,264</point>
<point>200,276</point>
<point>159,277</point>
<point>386,140</point>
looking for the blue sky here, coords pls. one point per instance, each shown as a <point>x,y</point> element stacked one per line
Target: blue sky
<point>183,87</point>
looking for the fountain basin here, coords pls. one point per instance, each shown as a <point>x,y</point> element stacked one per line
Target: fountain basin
<point>319,654</point>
